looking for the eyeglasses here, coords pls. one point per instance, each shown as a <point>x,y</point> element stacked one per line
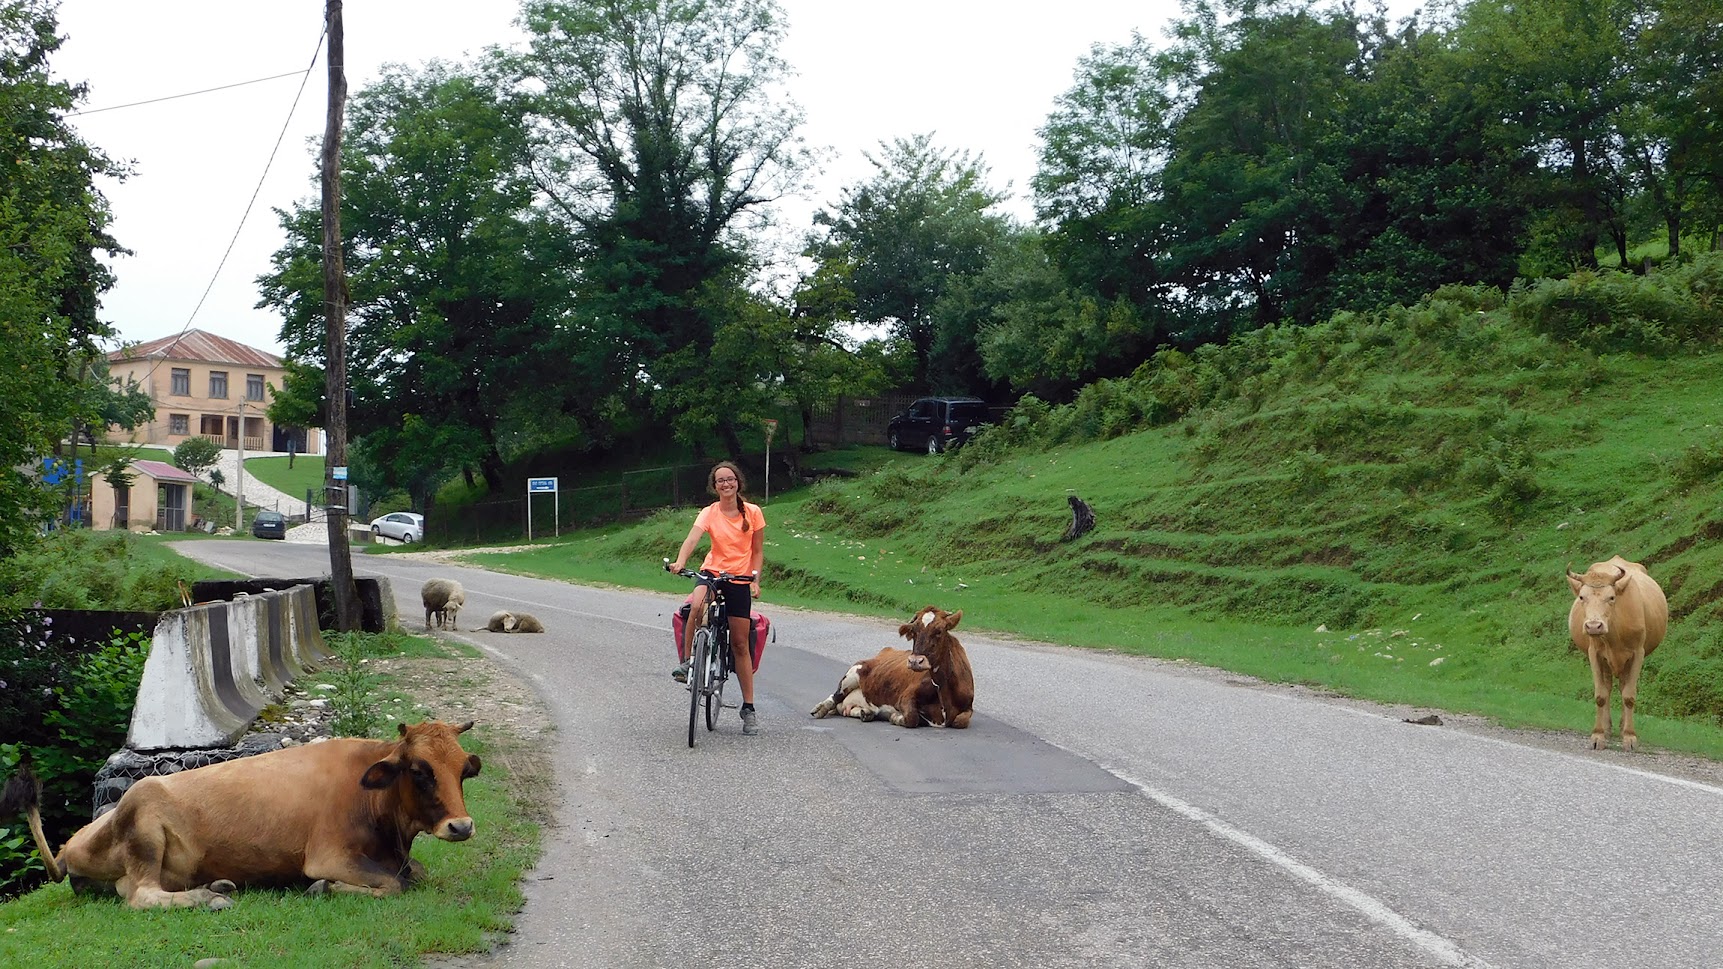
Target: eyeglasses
<point>723,480</point>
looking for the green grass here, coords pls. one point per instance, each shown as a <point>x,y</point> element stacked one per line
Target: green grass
<point>469,896</point>
<point>1383,507</point>
<point>306,474</point>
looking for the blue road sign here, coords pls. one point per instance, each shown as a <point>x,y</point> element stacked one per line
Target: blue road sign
<point>540,484</point>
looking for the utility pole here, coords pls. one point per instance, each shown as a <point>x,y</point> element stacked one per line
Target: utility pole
<point>239,475</point>
<point>335,314</point>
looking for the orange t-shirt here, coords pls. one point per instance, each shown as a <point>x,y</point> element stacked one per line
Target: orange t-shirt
<point>732,548</point>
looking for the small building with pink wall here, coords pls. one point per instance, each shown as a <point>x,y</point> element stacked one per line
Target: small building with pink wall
<point>159,499</point>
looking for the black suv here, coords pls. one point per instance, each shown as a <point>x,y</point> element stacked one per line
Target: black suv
<point>936,423</point>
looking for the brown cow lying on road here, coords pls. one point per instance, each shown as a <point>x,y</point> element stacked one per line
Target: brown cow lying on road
<point>341,815</point>
<point>1618,617</point>
<point>930,683</point>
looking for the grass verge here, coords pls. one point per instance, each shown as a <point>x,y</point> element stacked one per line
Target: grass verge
<point>470,894</point>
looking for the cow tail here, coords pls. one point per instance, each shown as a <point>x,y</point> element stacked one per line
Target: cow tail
<point>23,795</point>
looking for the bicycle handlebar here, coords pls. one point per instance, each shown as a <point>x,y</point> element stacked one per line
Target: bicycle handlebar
<point>687,573</point>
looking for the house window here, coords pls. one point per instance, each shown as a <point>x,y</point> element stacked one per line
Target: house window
<point>181,382</point>
<point>254,386</point>
<point>179,423</point>
<point>218,385</point>
<point>211,426</point>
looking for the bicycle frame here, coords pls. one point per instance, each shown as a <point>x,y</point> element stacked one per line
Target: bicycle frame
<point>710,662</point>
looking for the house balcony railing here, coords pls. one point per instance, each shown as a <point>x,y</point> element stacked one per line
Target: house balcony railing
<point>252,442</point>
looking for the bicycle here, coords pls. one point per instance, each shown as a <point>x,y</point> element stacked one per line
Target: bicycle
<point>709,662</point>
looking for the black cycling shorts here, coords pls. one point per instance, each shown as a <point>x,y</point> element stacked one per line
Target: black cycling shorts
<point>738,598</point>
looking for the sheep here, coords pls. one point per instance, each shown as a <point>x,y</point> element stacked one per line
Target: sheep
<point>443,598</point>
<point>508,622</point>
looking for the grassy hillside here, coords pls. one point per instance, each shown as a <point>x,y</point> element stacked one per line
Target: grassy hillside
<point>1381,505</point>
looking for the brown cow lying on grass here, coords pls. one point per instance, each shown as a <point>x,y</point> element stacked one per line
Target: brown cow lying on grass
<point>1618,617</point>
<point>339,815</point>
<point>929,683</point>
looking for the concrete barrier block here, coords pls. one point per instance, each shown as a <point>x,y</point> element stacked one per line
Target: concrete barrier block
<point>214,666</point>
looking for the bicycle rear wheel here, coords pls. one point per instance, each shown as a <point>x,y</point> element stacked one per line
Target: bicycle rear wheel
<point>699,681</point>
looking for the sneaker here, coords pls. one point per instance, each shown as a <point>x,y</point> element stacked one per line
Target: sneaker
<point>750,722</point>
<point>680,673</point>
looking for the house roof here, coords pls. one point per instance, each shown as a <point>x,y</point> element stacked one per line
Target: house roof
<point>198,346</point>
<point>164,472</point>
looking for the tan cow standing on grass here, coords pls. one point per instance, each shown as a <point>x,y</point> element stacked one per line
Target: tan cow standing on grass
<point>1618,617</point>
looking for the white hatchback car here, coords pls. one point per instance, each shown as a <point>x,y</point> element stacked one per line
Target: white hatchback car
<point>402,526</point>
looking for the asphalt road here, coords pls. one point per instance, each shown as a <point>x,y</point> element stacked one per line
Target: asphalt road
<point>1103,810</point>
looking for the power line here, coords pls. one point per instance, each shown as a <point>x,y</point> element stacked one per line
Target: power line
<point>192,94</point>
<point>285,124</point>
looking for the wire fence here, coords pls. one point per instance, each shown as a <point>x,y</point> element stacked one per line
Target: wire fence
<point>631,494</point>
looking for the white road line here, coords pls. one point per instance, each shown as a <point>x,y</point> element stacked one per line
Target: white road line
<point>1576,758</point>
<point>1376,911</point>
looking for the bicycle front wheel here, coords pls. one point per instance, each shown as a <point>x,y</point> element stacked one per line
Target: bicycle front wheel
<point>719,675</point>
<point>699,678</point>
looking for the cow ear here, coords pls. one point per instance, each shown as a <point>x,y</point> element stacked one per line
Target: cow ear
<point>380,775</point>
<point>1621,580</point>
<point>472,768</point>
<point>403,726</point>
<point>952,619</point>
<point>907,631</point>
<point>463,728</point>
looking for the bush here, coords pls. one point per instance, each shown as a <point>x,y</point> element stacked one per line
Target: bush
<point>79,569</point>
<point>1613,311</point>
<point>196,455</point>
<point>1699,463</point>
<point>66,713</point>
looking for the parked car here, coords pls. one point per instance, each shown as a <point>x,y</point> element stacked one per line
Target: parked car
<point>402,526</point>
<point>269,524</point>
<point>936,423</point>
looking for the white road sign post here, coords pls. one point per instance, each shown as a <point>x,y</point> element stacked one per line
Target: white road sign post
<point>771,428</point>
<point>536,486</point>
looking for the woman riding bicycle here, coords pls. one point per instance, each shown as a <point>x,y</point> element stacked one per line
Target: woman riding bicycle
<point>738,547</point>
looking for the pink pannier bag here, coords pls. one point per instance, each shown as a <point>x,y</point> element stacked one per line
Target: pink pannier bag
<point>762,630</point>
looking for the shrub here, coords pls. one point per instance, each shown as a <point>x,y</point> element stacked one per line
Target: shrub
<point>67,729</point>
<point>196,455</point>
<point>1699,463</point>
<point>80,569</point>
<point>1612,311</point>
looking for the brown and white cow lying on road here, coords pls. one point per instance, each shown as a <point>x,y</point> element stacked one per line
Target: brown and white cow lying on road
<point>1618,617</point>
<point>929,683</point>
<point>341,815</point>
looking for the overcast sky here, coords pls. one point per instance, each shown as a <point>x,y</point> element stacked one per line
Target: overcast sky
<point>979,78</point>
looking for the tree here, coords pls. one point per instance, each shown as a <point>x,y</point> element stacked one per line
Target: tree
<point>908,235</point>
<point>1042,334</point>
<point>458,286</point>
<point>664,130</point>
<point>1098,182</point>
<point>1557,73</point>
<point>1674,151</point>
<point>195,455</point>
<point>52,227</point>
